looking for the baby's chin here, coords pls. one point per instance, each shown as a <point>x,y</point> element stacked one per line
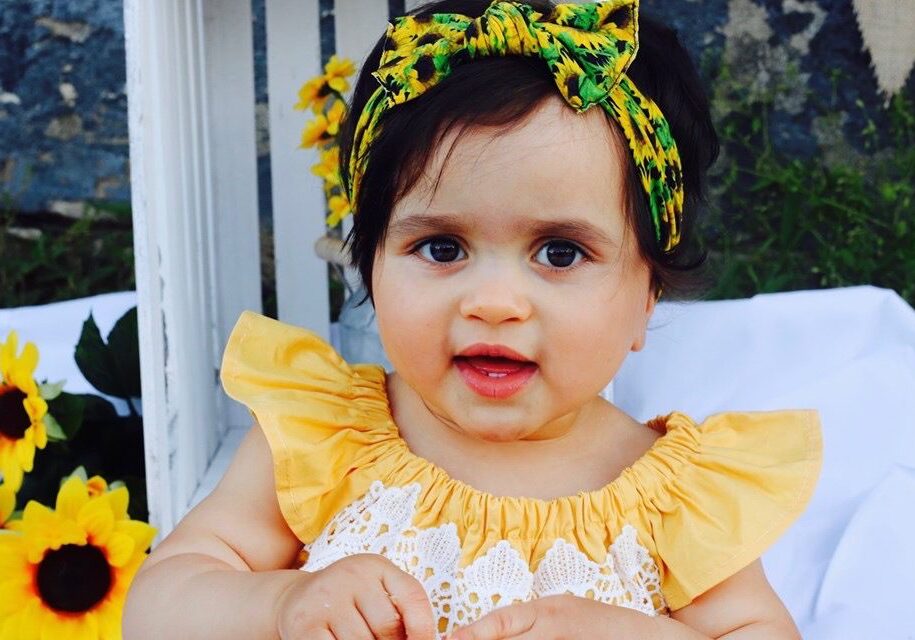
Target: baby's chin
<point>490,429</point>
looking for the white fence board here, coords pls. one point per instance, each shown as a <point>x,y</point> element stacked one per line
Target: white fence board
<point>294,56</point>
<point>176,129</point>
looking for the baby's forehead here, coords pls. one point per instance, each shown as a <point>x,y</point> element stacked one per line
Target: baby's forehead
<point>555,160</point>
<point>551,130</point>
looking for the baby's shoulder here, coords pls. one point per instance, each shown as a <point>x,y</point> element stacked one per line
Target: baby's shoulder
<point>321,417</point>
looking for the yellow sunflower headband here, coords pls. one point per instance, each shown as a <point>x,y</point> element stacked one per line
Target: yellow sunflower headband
<point>587,48</point>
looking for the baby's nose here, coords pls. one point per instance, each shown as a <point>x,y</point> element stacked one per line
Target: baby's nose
<point>496,299</point>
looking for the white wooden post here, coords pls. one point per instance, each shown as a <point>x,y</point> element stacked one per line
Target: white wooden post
<point>194,186</point>
<point>294,56</point>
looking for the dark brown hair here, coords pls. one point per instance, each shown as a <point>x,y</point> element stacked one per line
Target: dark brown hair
<point>501,92</point>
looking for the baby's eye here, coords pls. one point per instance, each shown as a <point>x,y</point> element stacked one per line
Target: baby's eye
<point>560,254</point>
<point>440,249</point>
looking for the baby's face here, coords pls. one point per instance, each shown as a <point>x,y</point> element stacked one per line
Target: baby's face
<point>524,244</point>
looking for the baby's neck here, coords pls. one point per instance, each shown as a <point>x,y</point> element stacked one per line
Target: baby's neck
<point>548,465</point>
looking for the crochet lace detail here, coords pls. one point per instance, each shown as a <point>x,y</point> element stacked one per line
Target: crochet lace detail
<point>381,522</point>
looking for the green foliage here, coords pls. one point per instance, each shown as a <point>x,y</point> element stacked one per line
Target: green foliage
<point>86,430</point>
<point>113,368</point>
<point>836,219</point>
<point>46,259</point>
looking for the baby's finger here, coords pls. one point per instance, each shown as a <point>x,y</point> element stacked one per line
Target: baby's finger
<point>508,622</point>
<point>411,601</point>
<point>380,614</point>
<point>350,625</point>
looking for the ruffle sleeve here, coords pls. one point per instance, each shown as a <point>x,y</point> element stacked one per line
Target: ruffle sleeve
<point>729,488</point>
<point>321,417</point>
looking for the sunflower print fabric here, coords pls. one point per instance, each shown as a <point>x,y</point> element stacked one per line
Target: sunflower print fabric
<point>587,48</point>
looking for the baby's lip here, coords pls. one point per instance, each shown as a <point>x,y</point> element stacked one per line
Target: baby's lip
<point>492,351</point>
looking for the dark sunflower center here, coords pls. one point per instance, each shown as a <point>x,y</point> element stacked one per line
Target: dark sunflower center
<point>74,578</point>
<point>13,418</point>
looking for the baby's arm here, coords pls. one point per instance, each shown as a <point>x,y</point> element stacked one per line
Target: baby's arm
<point>222,573</point>
<point>743,607</point>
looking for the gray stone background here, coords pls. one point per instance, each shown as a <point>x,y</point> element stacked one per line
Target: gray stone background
<point>63,107</point>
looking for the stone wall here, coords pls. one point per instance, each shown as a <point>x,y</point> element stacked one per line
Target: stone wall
<point>63,107</point>
<point>63,120</point>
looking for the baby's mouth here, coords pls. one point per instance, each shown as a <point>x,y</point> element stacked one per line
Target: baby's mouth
<point>495,366</point>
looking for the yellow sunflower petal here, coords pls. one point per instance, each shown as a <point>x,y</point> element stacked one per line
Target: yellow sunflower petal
<point>28,360</point>
<point>7,503</point>
<point>72,497</point>
<point>70,627</point>
<point>36,407</point>
<point>10,627</point>
<point>9,466</point>
<point>43,529</point>
<point>119,549</point>
<point>40,434</point>
<point>109,619</point>
<point>25,451</point>
<point>32,620</point>
<point>142,533</point>
<point>338,67</point>
<point>338,84</point>
<point>309,93</point>
<point>14,594</point>
<point>118,499</point>
<point>314,131</point>
<point>97,520</point>
<point>12,553</point>
<point>8,354</point>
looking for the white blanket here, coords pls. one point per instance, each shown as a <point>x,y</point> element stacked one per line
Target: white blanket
<point>846,568</point>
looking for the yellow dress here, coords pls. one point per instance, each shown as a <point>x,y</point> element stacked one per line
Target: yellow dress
<point>702,503</point>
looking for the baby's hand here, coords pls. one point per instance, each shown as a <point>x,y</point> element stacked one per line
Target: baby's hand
<point>359,597</point>
<point>562,616</point>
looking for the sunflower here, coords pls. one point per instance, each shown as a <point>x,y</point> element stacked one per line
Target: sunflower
<point>315,94</point>
<point>64,573</point>
<point>335,117</point>
<point>336,71</point>
<point>22,411</point>
<point>339,209</point>
<point>329,167</point>
<point>316,132</point>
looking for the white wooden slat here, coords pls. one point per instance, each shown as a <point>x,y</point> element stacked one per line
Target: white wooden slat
<point>294,56</point>
<point>229,39</point>
<point>358,25</point>
<point>176,184</point>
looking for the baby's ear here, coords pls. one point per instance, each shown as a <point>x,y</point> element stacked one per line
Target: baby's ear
<point>642,328</point>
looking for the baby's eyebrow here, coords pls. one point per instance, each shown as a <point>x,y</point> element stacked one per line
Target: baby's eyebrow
<point>577,229</point>
<point>424,223</point>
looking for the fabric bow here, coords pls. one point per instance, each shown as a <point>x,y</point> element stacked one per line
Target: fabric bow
<point>586,47</point>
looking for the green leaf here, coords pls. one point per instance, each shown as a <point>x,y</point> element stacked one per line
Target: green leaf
<point>79,472</point>
<point>113,368</point>
<point>68,410</point>
<point>124,352</point>
<point>50,390</point>
<point>95,362</point>
<point>55,431</point>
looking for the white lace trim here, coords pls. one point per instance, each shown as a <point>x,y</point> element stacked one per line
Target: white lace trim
<point>382,522</point>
